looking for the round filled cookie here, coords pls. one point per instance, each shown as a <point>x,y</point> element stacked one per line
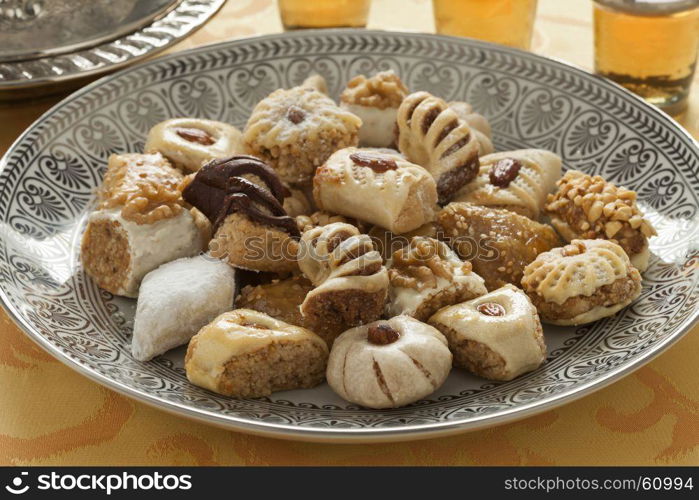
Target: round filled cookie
<point>388,363</point>
<point>581,282</point>
<point>497,336</point>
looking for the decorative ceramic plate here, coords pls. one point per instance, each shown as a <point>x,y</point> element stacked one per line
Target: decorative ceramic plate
<point>49,175</point>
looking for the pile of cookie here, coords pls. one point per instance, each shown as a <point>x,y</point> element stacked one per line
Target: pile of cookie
<point>380,241</point>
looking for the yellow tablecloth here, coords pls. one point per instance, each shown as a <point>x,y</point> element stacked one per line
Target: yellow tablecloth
<point>50,415</point>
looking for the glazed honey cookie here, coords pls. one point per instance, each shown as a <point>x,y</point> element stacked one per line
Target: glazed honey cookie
<point>388,363</point>
<point>296,130</point>
<point>497,336</point>
<point>587,207</point>
<point>190,142</point>
<point>581,282</point>
<point>247,354</point>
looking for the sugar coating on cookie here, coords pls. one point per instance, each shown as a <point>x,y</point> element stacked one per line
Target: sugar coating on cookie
<point>176,300</point>
<point>388,363</point>
<point>378,188</point>
<point>247,354</point>
<point>426,276</point>
<point>516,180</point>
<point>497,336</point>
<point>588,207</point>
<point>296,130</point>
<point>581,282</point>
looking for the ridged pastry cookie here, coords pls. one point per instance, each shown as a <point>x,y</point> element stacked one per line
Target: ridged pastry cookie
<point>516,180</point>
<point>378,188</point>
<point>581,282</point>
<point>432,135</point>
<point>388,363</point>
<point>190,142</point>
<point>497,336</point>
<point>478,123</point>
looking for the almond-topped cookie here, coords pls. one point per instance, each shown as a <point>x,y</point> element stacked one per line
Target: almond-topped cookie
<point>588,207</point>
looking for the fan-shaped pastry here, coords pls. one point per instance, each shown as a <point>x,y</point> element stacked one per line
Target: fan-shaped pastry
<point>581,282</point>
<point>586,207</point>
<point>375,100</point>
<point>140,223</point>
<point>498,243</point>
<point>432,135</point>
<point>176,300</point>
<point>497,336</point>
<point>296,130</point>
<point>351,282</point>
<point>247,354</point>
<point>426,276</point>
<point>378,188</point>
<point>243,199</point>
<point>389,363</point>
<point>478,123</point>
<point>516,180</point>
<point>190,142</point>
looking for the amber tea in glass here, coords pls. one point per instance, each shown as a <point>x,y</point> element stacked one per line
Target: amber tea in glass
<point>649,47</point>
<point>298,14</point>
<point>508,22</point>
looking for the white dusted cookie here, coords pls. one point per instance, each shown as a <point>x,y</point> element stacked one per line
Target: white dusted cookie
<point>388,363</point>
<point>581,282</point>
<point>190,142</point>
<point>247,354</point>
<point>176,300</point>
<point>376,187</point>
<point>375,100</point>
<point>516,180</point>
<point>427,275</point>
<point>478,123</point>
<point>497,336</point>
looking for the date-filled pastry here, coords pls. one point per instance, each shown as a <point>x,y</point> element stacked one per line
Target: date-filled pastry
<point>497,336</point>
<point>478,123</point>
<point>499,243</point>
<point>190,142</point>
<point>377,188</point>
<point>375,100</point>
<point>432,135</point>
<point>426,276</point>
<point>587,207</point>
<point>247,354</point>
<point>140,223</point>
<point>581,282</point>
<point>296,130</point>
<point>516,180</point>
<point>388,363</point>
<point>242,197</point>
<point>351,282</point>
<point>176,300</point>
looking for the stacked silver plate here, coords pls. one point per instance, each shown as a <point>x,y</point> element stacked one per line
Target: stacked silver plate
<point>48,42</point>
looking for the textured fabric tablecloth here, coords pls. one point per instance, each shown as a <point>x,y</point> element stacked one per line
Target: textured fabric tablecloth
<point>50,415</point>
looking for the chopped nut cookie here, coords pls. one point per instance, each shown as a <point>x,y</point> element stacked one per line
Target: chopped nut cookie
<point>319,218</point>
<point>497,336</point>
<point>516,180</point>
<point>498,243</point>
<point>581,282</point>
<point>389,363</point>
<point>247,354</point>
<point>426,276</point>
<point>387,242</point>
<point>478,123</point>
<point>377,188</point>
<point>375,100</point>
<point>296,130</point>
<point>432,135</point>
<point>587,207</point>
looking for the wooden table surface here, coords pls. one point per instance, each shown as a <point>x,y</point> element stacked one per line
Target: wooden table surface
<point>53,416</point>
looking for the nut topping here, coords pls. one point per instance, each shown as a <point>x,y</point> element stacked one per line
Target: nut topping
<point>195,135</point>
<point>491,309</point>
<point>504,172</point>
<point>295,115</point>
<point>382,335</point>
<point>378,164</point>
